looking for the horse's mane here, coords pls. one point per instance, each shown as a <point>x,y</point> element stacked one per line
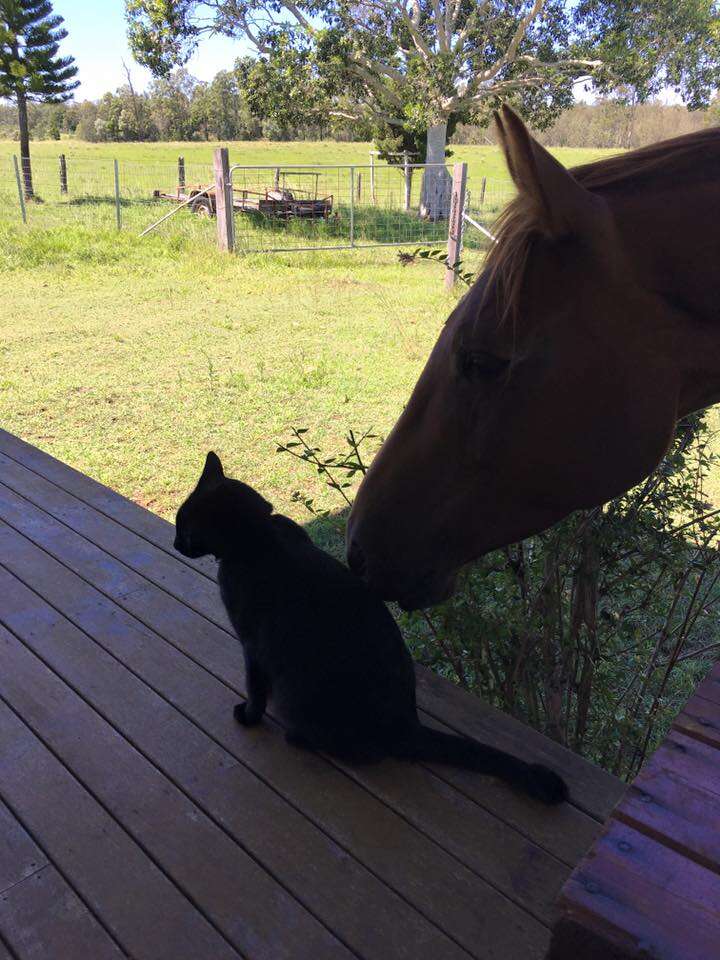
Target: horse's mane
<point>516,227</point>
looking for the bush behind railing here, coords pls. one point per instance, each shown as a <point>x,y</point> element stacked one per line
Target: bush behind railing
<point>594,632</point>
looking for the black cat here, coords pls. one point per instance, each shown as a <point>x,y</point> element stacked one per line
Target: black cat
<point>321,643</point>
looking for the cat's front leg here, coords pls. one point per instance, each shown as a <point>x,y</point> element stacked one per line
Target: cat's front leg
<point>250,713</point>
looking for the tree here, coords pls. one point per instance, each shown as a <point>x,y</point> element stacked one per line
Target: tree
<point>221,107</point>
<point>417,67</point>
<point>30,68</point>
<point>170,99</point>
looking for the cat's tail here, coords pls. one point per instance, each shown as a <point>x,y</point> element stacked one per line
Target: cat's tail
<point>434,746</point>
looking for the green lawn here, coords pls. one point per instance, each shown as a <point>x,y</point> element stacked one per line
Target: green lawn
<point>486,161</point>
<point>130,359</point>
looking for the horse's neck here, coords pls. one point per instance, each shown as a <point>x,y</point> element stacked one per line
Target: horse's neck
<point>673,238</point>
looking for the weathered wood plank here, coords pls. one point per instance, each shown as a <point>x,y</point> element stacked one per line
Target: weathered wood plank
<point>700,719</point>
<point>592,788</point>
<point>41,916</point>
<point>20,856</point>
<point>204,862</point>
<point>426,876</point>
<point>498,854</point>
<point>634,898</point>
<point>126,512</point>
<point>674,811</point>
<point>693,760</point>
<point>566,831</point>
<point>710,687</point>
<point>146,913</point>
<point>276,833</point>
<point>168,572</point>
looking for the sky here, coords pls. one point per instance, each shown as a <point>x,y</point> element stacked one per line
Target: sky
<point>98,41</point>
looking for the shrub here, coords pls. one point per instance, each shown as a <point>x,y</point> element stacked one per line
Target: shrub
<point>594,632</point>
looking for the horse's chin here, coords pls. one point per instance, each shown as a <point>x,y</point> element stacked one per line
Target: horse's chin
<point>427,594</point>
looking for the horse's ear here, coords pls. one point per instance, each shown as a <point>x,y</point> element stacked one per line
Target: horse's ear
<point>212,474</point>
<point>562,204</point>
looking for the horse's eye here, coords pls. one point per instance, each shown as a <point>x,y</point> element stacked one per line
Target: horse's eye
<point>480,365</point>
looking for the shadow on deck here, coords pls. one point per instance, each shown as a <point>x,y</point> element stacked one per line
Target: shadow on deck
<point>137,819</point>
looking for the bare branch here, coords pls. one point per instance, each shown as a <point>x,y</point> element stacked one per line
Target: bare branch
<point>511,53</point>
<point>443,40</point>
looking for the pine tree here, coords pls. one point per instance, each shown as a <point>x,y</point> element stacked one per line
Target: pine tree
<point>30,68</point>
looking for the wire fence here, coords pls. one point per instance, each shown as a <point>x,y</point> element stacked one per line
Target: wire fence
<point>276,207</point>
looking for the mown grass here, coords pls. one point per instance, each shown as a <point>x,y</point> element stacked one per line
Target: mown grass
<point>130,359</point>
<point>485,160</point>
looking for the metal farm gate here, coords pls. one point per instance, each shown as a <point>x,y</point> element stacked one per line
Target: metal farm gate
<point>328,207</point>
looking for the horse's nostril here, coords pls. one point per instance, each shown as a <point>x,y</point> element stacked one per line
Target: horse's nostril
<point>356,559</point>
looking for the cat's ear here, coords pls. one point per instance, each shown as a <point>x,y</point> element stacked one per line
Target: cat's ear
<point>212,475</point>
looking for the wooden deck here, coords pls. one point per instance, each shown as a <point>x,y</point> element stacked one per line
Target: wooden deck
<point>137,819</point>
<point>650,886</point>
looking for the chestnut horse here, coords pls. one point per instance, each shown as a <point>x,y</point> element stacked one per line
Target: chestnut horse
<point>556,383</point>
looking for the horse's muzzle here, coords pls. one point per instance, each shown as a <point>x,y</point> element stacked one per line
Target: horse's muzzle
<point>410,590</point>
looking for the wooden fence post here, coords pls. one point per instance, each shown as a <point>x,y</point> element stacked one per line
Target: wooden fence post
<point>223,200</point>
<point>482,190</point>
<point>181,174</point>
<point>63,173</point>
<point>455,222</point>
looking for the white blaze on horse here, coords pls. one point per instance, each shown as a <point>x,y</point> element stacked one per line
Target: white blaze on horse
<point>557,381</point>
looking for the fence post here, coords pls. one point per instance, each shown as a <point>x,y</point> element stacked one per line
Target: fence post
<point>181,174</point>
<point>21,196</point>
<point>118,215</point>
<point>372,177</point>
<point>63,173</point>
<point>359,187</point>
<point>482,190</point>
<point>455,222</point>
<point>352,206</point>
<point>407,173</point>
<point>223,200</point>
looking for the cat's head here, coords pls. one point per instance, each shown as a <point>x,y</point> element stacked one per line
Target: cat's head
<point>219,515</point>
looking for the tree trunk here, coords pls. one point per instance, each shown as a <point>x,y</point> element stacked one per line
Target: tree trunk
<point>437,182</point>
<point>24,145</point>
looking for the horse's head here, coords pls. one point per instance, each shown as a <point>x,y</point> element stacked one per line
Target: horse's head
<point>550,389</point>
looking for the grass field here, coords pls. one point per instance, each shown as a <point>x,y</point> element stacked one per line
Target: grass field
<point>485,161</point>
<point>129,359</point>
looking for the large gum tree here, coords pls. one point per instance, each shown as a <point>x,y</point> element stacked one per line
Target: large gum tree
<point>414,68</point>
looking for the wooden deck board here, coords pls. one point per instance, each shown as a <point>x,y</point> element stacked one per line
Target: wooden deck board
<point>404,857</point>
<point>273,852</point>
<point>240,801</point>
<point>650,886</point>
<point>40,914</point>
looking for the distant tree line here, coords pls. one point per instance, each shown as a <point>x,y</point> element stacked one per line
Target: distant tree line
<point>180,107</point>
<point>176,107</point>
<point>611,123</point>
